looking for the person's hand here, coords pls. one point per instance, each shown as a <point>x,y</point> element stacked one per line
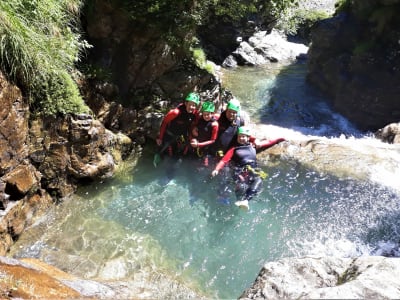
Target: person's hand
<point>214,173</point>
<point>280,140</point>
<point>158,141</point>
<point>257,144</point>
<point>194,143</point>
<point>195,132</point>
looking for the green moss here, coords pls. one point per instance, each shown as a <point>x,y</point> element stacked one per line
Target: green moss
<point>59,94</point>
<point>342,6</point>
<point>201,60</point>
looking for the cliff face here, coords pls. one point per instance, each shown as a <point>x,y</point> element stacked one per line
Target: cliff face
<point>354,58</point>
<point>44,159</point>
<point>142,61</point>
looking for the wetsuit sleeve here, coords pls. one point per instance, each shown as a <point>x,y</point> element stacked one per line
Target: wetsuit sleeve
<point>214,134</point>
<point>172,114</point>
<point>270,143</point>
<point>227,157</point>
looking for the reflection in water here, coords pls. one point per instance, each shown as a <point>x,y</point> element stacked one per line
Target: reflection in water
<point>123,229</point>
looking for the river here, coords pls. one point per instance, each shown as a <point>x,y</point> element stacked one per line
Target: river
<point>132,225</point>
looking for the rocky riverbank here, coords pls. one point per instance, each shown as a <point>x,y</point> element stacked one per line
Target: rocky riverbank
<point>370,277</point>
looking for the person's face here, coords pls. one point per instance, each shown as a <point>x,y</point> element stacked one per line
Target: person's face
<point>190,106</point>
<point>207,115</point>
<point>242,138</point>
<point>231,114</point>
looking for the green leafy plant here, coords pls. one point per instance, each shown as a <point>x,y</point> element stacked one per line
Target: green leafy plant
<point>342,6</point>
<point>39,45</point>
<point>301,20</point>
<point>180,17</point>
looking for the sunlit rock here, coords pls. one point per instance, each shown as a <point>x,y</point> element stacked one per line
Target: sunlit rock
<point>372,277</point>
<point>263,48</point>
<point>389,134</point>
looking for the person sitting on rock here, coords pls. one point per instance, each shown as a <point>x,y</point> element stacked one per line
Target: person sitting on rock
<point>228,122</point>
<point>173,137</point>
<point>204,133</point>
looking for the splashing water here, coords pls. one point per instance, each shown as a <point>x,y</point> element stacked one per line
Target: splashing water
<point>121,228</point>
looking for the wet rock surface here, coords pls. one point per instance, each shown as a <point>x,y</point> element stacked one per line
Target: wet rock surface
<point>372,277</point>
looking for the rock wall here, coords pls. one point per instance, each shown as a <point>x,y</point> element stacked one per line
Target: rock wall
<point>354,58</point>
<point>140,61</point>
<point>44,159</point>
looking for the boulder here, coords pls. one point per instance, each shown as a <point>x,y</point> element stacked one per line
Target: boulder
<point>264,48</point>
<point>389,134</point>
<point>342,157</point>
<point>372,277</point>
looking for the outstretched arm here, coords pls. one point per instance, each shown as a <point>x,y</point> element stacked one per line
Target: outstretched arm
<point>268,143</point>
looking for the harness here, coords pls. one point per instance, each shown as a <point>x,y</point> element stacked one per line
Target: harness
<point>180,143</point>
<point>247,171</point>
<point>257,171</point>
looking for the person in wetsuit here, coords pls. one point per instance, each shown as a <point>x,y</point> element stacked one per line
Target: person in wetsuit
<point>228,123</point>
<point>173,137</point>
<point>204,133</point>
<point>246,175</point>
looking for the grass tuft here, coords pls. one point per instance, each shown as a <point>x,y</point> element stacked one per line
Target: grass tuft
<point>39,45</point>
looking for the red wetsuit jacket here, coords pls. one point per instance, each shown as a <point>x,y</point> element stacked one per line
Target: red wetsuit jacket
<point>177,122</point>
<point>207,131</point>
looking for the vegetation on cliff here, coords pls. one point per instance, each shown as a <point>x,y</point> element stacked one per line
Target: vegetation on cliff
<point>187,14</point>
<point>39,46</point>
<point>379,24</point>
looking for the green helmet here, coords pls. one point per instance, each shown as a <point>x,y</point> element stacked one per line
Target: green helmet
<point>193,97</point>
<point>244,130</point>
<point>234,104</point>
<point>208,107</point>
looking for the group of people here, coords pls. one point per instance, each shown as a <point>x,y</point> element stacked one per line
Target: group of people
<point>221,143</point>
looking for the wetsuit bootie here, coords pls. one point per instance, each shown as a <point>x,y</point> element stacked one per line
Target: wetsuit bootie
<point>244,204</point>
